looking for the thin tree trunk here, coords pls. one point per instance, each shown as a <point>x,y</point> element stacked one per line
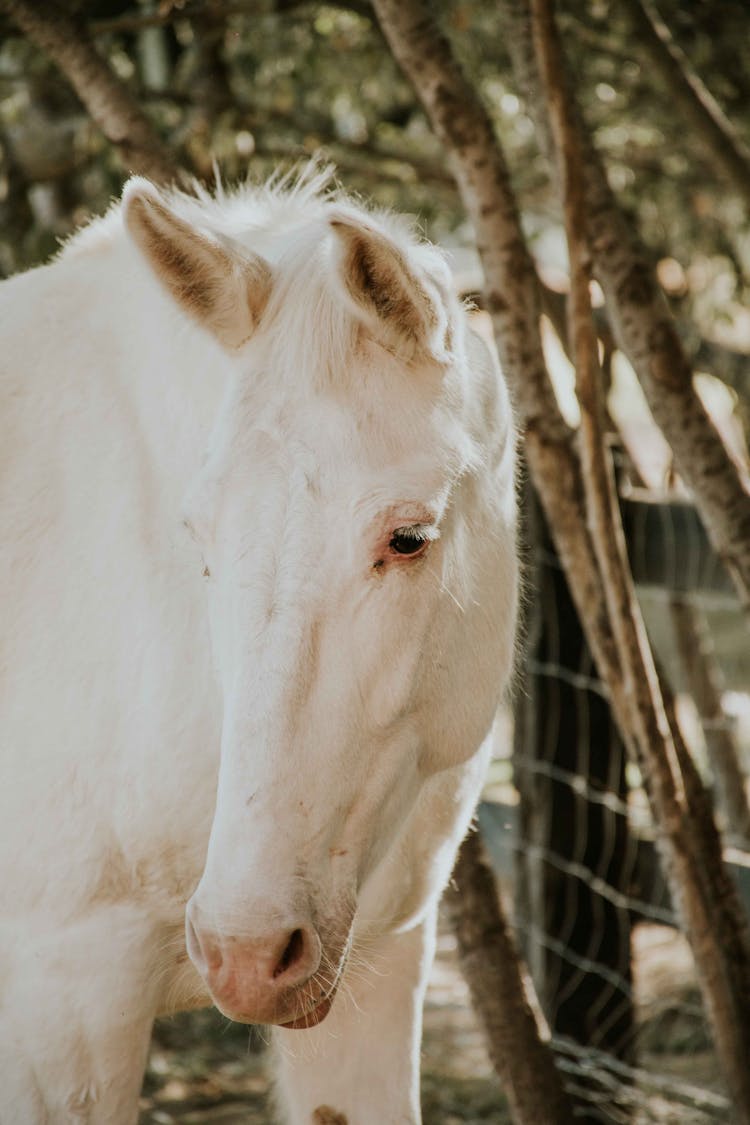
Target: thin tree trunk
<point>492,968</point>
<point>692,99</point>
<point>645,330</point>
<point>708,901</point>
<point>65,39</point>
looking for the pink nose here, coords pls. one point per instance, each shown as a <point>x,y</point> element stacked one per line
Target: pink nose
<point>254,980</point>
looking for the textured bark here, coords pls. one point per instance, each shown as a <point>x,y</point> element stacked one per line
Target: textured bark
<point>676,791</point>
<point>645,330</point>
<point>721,945</point>
<point>492,968</point>
<point>65,39</point>
<point>719,936</point>
<point>695,103</point>
<point>605,526</point>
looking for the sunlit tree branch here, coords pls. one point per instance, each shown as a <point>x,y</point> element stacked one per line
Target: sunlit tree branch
<point>65,40</point>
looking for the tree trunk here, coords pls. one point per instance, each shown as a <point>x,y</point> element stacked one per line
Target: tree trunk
<point>66,41</point>
<point>490,962</point>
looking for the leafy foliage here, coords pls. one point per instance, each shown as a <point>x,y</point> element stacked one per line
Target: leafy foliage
<point>247,86</point>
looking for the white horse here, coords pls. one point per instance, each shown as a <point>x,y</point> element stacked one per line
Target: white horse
<point>258,597</point>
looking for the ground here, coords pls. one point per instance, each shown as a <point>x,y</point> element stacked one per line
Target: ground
<point>203,1069</point>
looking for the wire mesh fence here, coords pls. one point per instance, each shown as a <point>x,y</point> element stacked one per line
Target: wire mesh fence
<point>579,850</point>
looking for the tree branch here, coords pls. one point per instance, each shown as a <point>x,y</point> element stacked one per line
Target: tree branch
<point>491,965</point>
<point>108,101</point>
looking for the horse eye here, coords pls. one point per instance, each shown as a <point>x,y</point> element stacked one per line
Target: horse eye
<point>407,541</point>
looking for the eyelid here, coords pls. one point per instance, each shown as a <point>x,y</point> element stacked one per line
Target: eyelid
<point>428,532</point>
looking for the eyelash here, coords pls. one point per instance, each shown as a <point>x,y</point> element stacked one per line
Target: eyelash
<point>421,535</point>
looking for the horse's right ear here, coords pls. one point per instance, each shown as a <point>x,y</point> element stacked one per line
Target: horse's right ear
<point>404,309</point>
<point>224,290</point>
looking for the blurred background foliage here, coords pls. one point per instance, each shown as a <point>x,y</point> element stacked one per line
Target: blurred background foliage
<point>248,85</point>
<point>244,87</point>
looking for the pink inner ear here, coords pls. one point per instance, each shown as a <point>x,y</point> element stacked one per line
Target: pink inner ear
<point>223,290</point>
<point>399,310</point>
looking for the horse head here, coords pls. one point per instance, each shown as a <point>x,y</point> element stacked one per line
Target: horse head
<point>353,521</point>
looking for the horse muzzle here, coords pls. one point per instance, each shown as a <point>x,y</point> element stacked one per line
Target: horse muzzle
<point>272,978</point>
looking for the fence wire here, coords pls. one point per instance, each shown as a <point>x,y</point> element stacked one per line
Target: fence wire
<point>613,972</point>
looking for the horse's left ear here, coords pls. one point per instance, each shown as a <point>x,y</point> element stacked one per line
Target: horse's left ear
<point>223,290</point>
<point>405,309</point>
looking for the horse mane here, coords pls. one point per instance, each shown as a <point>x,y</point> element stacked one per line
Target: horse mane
<point>285,219</point>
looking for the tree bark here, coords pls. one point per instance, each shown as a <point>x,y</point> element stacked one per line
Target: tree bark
<point>645,331</point>
<point>492,968</point>
<point>65,39</point>
<point>710,909</point>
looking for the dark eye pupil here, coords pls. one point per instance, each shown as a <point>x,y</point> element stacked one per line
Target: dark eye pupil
<point>404,543</point>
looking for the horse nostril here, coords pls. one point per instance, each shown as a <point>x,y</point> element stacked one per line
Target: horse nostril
<point>293,953</point>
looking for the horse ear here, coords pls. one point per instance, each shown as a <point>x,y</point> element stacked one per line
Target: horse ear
<point>223,290</point>
<point>407,311</point>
